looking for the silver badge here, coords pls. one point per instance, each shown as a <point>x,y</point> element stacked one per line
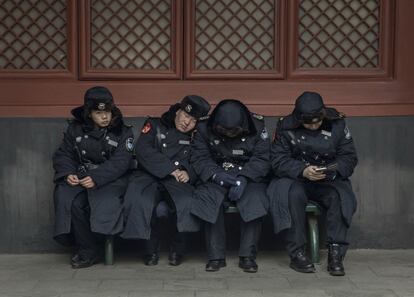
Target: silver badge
<point>101,106</point>
<point>163,136</point>
<point>238,152</point>
<point>216,141</point>
<point>188,108</point>
<point>347,133</point>
<point>129,144</point>
<point>113,143</point>
<point>326,133</point>
<point>264,135</point>
<point>184,142</point>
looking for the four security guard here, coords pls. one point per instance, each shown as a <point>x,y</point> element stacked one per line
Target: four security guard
<point>231,156</point>
<point>90,167</point>
<point>163,183</point>
<point>312,157</point>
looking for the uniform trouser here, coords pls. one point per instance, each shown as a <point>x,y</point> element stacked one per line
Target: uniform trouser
<point>87,242</point>
<point>216,238</point>
<point>327,197</point>
<point>158,224</point>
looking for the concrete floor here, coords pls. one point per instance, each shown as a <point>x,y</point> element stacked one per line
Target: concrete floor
<point>368,273</point>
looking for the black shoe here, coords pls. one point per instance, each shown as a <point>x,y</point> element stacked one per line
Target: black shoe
<point>215,265</point>
<point>335,266</point>
<point>81,261</point>
<point>151,260</point>
<point>301,263</point>
<point>248,264</point>
<point>175,259</point>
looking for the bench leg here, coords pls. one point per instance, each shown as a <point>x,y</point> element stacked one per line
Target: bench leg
<point>109,250</point>
<point>314,237</point>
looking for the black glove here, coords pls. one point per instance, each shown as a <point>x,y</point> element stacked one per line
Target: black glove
<point>224,179</point>
<point>237,191</point>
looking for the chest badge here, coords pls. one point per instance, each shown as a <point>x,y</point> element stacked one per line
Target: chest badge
<point>326,133</point>
<point>216,141</point>
<point>112,142</point>
<point>79,139</point>
<point>184,142</point>
<point>238,152</point>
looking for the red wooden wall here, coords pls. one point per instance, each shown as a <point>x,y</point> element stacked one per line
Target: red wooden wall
<point>187,53</point>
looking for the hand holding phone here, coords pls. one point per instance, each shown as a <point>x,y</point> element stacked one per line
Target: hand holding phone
<point>321,169</point>
<point>312,174</point>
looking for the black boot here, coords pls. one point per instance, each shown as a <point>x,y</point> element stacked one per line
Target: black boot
<point>248,264</point>
<point>215,265</point>
<point>301,263</point>
<point>335,266</point>
<point>151,259</point>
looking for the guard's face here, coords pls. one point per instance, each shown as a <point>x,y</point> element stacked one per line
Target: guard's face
<point>313,126</point>
<point>184,122</point>
<point>101,118</point>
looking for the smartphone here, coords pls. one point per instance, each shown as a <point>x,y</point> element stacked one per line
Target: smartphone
<point>321,169</point>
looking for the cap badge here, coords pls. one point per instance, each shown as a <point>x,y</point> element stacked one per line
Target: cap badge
<point>101,106</point>
<point>188,108</point>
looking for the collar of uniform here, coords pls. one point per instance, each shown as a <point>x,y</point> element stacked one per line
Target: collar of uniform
<point>97,133</point>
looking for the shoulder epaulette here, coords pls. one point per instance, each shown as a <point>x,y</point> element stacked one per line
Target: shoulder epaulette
<point>258,116</point>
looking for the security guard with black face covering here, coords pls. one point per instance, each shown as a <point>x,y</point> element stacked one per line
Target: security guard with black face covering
<point>312,157</point>
<point>160,191</point>
<point>231,156</point>
<point>90,167</point>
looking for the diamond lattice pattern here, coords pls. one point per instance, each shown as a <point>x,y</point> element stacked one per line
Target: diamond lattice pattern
<point>33,34</point>
<point>235,34</point>
<point>131,34</point>
<point>339,33</point>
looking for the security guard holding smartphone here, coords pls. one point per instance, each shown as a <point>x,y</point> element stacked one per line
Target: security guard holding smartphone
<point>91,168</point>
<point>312,157</point>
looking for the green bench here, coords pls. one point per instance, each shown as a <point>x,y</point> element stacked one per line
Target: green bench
<point>312,210</point>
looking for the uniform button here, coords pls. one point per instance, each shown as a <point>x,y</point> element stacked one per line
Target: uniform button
<point>107,137</point>
<point>176,163</point>
<point>326,137</point>
<point>103,153</point>
<point>83,152</point>
<point>185,152</point>
<point>303,137</point>
<point>240,168</point>
<point>243,139</point>
<point>86,136</point>
<point>164,145</point>
<point>304,153</point>
<point>298,140</point>
<point>221,183</point>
